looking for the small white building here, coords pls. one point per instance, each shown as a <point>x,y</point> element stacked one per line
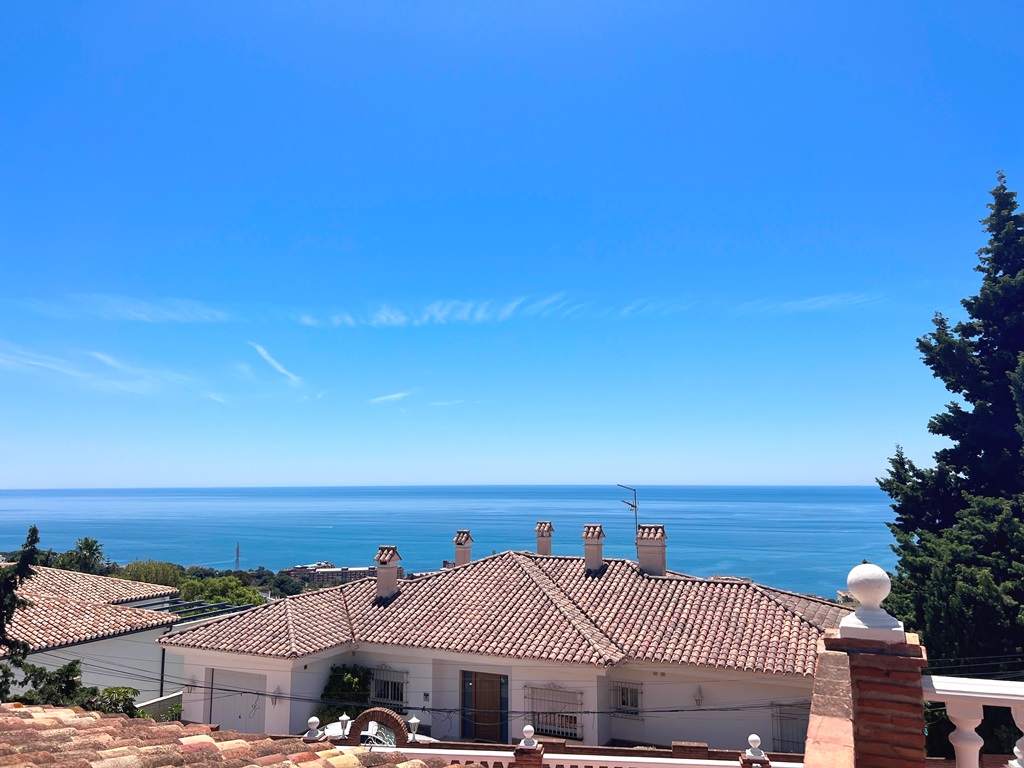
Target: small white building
<point>591,649</point>
<point>96,619</point>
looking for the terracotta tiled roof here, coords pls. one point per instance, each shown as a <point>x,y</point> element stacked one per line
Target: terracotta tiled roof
<point>53,622</point>
<point>593,532</point>
<point>85,586</point>
<point>66,607</point>
<point>544,526</point>
<point>56,736</point>
<point>526,606</point>
<point>462,537</point>
<point>651,533</point>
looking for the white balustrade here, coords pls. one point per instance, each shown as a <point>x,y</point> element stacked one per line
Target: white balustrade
<point>964,698</point>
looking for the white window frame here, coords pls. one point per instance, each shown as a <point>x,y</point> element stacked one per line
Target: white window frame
<point>390,688</point>
<point>627,699</point>
<point>555,711</point>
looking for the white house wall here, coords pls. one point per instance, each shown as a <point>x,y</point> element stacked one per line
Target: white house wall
<point>735,704</point>
<point>133,661</point>
<point>206,673</point>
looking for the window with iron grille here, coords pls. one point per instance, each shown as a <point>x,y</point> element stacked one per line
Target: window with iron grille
<point>389,688</point>
<point>789,726</point>
<point>627,699</point>
<point>555,711</point>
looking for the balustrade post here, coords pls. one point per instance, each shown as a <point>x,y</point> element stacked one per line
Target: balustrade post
<point>966,716</point>
<point>1018,750</point>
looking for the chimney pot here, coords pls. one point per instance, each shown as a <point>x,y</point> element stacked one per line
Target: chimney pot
<point>544,530</point>
<point>387,558</point>
<point>651,550</point>
<point>463,544</point>
<point>593,547</point>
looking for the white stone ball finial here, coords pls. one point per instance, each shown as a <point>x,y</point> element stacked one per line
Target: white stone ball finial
<point>314,732</point>
<point>528,740</point>
<point>755,746</point>
<point>870,585</point>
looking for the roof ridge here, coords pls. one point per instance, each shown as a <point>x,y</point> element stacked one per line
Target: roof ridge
<point>348,616</point>
<point>768,593</point>
<point>293,650</point>
<point>575,615</point>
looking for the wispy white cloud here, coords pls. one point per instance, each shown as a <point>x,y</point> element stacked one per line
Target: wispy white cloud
<point>244,371</point>
<point>509,309</point>
<point>545,306</point>
<point>216,398</point>
<point>15,358</point>
<point>113,376</point>
<point>111,307</point>
<point>342,318</point>
<point>390,398</point>
<point>654,308</point>
<point>388,316</point>
<point>141,374</point>
<point>309,320</point>
<point>442,312</point>
<point>274,364</point>
<point>810,304</point>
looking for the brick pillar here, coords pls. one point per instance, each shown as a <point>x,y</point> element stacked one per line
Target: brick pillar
<point>867,709</point>
<point>529,757</point>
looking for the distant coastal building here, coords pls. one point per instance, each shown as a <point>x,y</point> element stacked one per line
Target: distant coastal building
<point>324,573</point>
<point>589,649</point>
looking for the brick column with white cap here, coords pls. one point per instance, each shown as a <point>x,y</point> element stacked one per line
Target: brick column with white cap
<point>529,753</point>
<point>867,708</point>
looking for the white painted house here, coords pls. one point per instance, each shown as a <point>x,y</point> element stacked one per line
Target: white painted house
<point>588,648</point>
<point>97,620</point>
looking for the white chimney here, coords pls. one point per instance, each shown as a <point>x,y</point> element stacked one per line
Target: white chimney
<point>463,543</point>
<point>651,549</point>
<point>593,546</point>
<point>387,572</point>
<point>544,530</point>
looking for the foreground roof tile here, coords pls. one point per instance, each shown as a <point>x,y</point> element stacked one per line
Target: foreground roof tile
<point>51,736</point>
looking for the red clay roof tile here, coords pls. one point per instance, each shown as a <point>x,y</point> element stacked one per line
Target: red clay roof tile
<point>523,605</point>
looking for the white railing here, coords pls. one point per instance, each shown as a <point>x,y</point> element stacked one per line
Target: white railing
<point>964,698</point>
<point>490,757</point>
<point>157,708</point>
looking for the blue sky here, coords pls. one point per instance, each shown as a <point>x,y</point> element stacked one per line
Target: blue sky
<point>414,243</point>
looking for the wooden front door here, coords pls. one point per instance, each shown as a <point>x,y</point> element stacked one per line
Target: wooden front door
<point>485,706</point>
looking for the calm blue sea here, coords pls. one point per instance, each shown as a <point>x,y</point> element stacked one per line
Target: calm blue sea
<point>800,538</point>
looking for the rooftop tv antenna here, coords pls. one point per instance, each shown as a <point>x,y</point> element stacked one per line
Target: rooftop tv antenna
<point>634,504</point>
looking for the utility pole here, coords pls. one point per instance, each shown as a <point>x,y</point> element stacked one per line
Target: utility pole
<point>238,556</point>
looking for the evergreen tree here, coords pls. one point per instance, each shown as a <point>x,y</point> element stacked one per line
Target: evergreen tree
<point>959,525</point>
<point>14,651</point>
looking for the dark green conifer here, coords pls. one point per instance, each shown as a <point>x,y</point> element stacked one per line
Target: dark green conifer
<point>959,526</point>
